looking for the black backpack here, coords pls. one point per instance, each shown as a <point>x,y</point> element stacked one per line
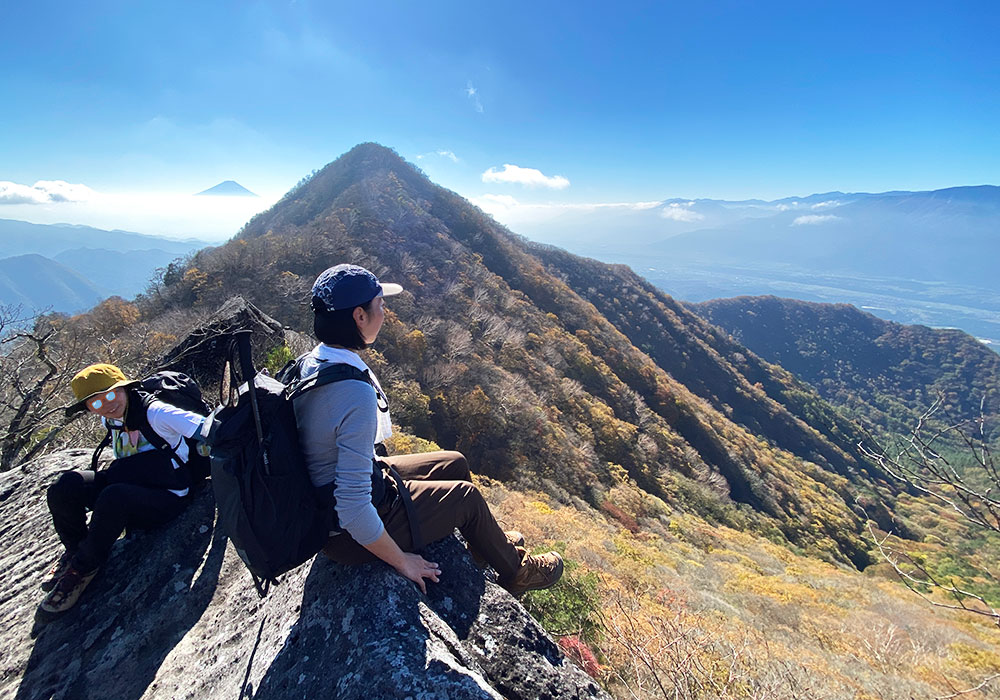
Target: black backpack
<point>267,504</point>
<point>176,389</point>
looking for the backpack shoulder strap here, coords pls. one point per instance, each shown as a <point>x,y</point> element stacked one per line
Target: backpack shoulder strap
<point>105,441</point>
<point>289,374</point>
<point>328,375</point>
<point>137,418</point>
<point>416,535</point>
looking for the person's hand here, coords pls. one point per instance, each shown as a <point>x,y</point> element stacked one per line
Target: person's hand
<point>411,566</point>
<point>416,568</point>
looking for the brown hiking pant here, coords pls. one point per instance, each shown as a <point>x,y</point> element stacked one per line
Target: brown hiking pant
<point>444,498</point>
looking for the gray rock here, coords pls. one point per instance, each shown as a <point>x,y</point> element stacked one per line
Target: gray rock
<point>202,353</point>
<point>174,614</point>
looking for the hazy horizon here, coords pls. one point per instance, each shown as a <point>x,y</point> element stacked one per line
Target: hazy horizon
<point>525,105</point>
<point>182,215</point>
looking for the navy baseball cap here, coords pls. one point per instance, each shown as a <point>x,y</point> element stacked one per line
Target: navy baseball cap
<point>346,286</point>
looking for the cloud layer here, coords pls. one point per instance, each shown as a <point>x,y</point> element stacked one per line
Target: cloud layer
<point>511,211</point>
<point>529,177</point>
<point>175,215</point>
<point>443,154</point>
<point>814,219</point>
<point>677,211</point>
<point>44,192</point>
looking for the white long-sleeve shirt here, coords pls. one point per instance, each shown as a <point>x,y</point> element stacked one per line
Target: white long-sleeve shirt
<point>169,422</point>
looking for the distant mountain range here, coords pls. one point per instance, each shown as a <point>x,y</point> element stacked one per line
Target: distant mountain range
<point>69,268</point>
<point>944,235</point>
<point>40,283</point>
<point>913,257</point>
<point>694,228</point>
<point>228,188</point>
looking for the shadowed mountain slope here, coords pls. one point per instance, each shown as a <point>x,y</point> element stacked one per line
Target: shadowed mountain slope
<point>710,363</point>
<point>529,361</point>
<point>39,283</point>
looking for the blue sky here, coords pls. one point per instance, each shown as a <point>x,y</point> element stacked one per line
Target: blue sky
<point>631,103</point>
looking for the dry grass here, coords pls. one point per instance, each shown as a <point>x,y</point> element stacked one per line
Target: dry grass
<point>692,610</point>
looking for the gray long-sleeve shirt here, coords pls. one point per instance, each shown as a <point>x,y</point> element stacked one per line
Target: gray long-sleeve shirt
<point>337,424</point>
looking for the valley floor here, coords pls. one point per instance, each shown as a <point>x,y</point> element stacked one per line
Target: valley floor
<point>938,305</point>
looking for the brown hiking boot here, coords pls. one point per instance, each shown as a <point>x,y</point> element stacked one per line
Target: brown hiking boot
<point>513,536</point>
<point>537,571</point>
<point>56,572</point>
<point>67,591</point>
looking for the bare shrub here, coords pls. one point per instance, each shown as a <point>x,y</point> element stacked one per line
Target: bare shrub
<point>920,462</point>
<point>674,655</point>
<point>969,491</point>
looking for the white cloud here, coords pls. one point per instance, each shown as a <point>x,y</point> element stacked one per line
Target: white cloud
<point>824,205</point>
<point>13,193</point>
<point>511,211</point>
<point>473,94</point>
<point>678,211</point>
<point>530,177</point>
<point>444,154</point>
<point>590,206</point>
<point>60,191</point>
<point>44,192</point>
<point>814,219</point>
<point>503,200</point>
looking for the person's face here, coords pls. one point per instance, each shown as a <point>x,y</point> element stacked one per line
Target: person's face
<point>109,404</point>
<point>370,321</point>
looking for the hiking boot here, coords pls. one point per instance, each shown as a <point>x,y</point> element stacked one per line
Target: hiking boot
<point>67,591</point>
<point>513,536</point>
<point>56,572</point>
<point>537,571</point>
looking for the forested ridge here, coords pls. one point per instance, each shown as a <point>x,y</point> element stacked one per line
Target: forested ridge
<point>884,373</point>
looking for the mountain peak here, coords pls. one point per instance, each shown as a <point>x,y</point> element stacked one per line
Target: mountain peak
<point>367,159</point>
<point>338,183</point>
<point>228,188</point>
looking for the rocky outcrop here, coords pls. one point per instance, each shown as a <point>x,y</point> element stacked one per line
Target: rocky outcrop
<point>174,614</point>
<point>202,353</point>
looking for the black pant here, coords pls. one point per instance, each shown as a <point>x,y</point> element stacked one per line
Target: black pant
<point>115,507</point>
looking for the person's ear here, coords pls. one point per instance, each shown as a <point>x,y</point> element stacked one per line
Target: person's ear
<point>359,314</point>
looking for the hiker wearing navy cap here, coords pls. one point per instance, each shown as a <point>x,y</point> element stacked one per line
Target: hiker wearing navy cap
<point>144,487</point>
<point>378,514</point>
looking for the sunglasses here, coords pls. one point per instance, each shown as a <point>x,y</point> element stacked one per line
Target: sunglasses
<point>95,404</point>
